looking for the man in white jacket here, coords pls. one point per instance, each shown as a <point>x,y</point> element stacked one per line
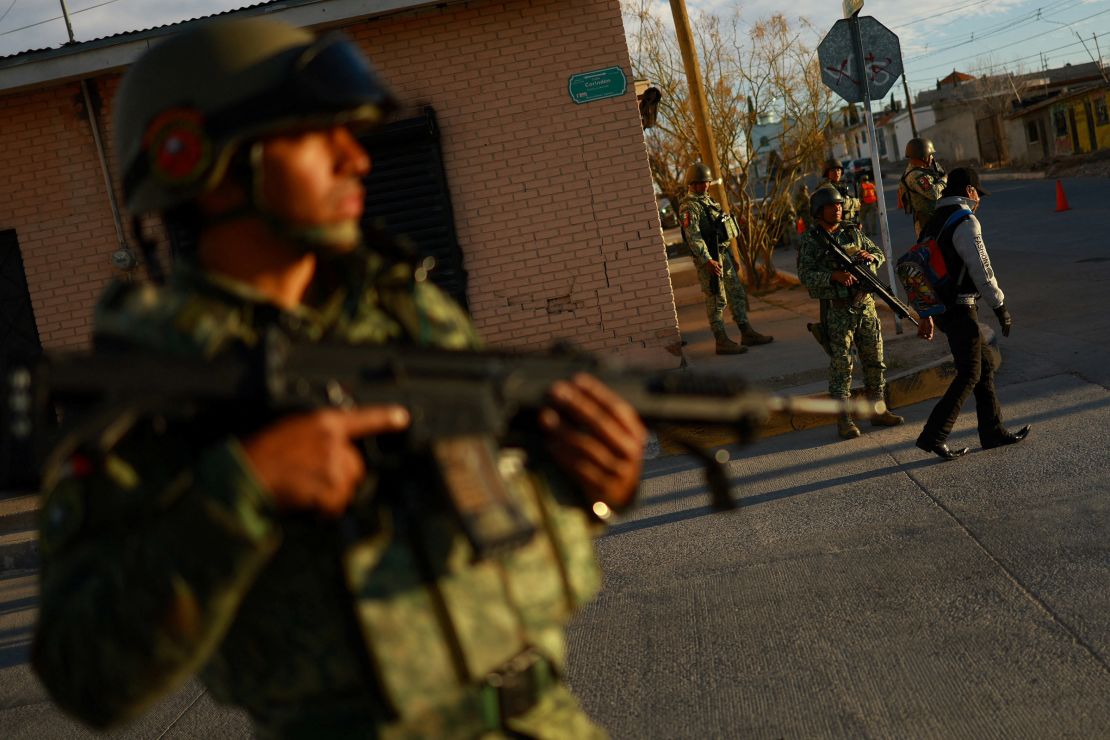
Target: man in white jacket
<point>958,233</point>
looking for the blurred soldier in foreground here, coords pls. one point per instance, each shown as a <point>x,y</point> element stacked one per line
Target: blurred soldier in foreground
<point>324,597</point>
<point>834,178</point>
<point>921,183</point>
<point>847,312</point>
<point>706,229</point>
<point>960,237</point>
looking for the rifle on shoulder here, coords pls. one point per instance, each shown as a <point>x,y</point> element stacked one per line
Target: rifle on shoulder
<point>463,405</point>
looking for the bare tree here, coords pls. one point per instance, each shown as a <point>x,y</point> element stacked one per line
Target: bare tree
<point>993,95</point>
<point>758,72</point>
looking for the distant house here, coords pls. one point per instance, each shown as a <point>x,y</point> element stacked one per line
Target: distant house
<point>1072,120</point>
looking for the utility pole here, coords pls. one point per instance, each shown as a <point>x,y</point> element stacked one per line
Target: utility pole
<point>699,106</point>
<point>69,26</point>
<point>906,87</point>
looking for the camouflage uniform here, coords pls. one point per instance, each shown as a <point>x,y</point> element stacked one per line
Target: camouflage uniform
<point>923,187</point>
<point>163,555</point>
<point>851,202</point>
<point>698,216</point>
<point>848,314</point>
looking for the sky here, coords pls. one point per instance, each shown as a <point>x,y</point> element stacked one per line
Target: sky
<point>936,37</point>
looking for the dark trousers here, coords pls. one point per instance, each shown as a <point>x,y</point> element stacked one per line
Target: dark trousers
<point>975,370</point>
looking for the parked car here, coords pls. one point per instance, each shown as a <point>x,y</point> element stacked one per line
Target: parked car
<point>862,167</point>
<point>667,214</point>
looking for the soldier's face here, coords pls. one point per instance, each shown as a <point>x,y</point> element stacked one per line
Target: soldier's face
<point>835,174</point>
<point>313,178</point>
<point>699,187</point>
<point>832,214</point>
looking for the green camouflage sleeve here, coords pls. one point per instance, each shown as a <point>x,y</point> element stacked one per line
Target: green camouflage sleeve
<point>147,553</point>
<point>813,268</point>
<point>689,216</point>
<point>874,250</point>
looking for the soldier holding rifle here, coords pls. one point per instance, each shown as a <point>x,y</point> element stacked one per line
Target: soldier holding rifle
<point>322,595</point>
<point>847,308</point>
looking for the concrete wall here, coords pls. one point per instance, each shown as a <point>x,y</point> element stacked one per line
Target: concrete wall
<point>953,135</point>
<point>553,200</point>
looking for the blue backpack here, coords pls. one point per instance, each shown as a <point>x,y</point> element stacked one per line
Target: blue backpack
<point>924,273</point>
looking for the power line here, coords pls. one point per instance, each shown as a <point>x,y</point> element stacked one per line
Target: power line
<point>977,36</point>
<point>1028,56</point>
<point>953,9</point>
<point>56,18</point>
<point>2,17</point>
<point>1013,43</point>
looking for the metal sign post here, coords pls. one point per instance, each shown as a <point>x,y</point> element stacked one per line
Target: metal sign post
<point>854,76</point>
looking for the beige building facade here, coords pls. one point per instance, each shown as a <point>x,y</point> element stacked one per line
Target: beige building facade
<point>550,198</point>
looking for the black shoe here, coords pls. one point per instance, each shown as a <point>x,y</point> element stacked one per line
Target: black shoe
<point>942,450</point>
<point>1006,438</point>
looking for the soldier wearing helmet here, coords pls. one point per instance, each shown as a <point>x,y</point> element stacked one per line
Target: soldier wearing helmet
<point>922,182</point>
<point>706,229</point>
<point>847,311</point>
<point>237,544</point>
<point>833,172</point>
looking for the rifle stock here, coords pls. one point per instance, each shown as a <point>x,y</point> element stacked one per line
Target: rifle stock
<point>461,403</point>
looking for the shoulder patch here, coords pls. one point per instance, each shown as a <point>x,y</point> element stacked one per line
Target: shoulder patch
<point>686,219</point>
<point>924,182</point>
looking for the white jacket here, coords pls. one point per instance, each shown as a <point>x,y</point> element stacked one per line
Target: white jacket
<point>967,238</point>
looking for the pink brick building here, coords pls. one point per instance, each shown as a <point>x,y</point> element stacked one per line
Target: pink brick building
<point>553,212</point>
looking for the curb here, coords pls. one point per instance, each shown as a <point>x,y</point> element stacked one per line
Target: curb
<point>906,389</point>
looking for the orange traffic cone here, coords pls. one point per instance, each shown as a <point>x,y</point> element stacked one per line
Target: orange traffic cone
<point>1061,199</point>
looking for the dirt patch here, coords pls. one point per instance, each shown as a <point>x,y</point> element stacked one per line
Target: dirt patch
<point>1095,164</point>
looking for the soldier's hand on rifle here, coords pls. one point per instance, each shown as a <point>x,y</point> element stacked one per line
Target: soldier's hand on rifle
<point>597,438</point>
<point>865,256</point>
<point>844,278</point>
<point>715,267</point>
<point>310,461</point>
<point>925,328</point>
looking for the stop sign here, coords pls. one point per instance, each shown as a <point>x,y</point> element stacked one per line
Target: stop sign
<point>882,58</point>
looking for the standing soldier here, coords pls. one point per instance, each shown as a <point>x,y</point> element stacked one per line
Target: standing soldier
<point>922,182</point>
<point>834,178</point>
<point>847,310</point>
<point>706,230</point>
<point>325,594</point>
<point>869,207</point>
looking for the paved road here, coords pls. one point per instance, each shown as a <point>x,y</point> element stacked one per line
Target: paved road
<point>863,590</point>
<point>866,590</point>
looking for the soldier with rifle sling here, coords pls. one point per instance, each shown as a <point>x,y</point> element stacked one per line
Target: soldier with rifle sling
<point>836,263</point>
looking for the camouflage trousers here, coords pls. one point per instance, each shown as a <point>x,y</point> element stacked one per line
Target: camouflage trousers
<point>859,324</point>
<point>729,290</point>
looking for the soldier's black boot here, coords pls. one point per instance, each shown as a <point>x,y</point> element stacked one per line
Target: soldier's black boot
<point>726,346</point>
<point>749,337</point>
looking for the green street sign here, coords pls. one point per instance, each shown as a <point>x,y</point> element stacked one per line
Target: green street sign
<point>587,87</point>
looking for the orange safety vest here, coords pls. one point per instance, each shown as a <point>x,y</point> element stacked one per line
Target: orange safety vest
<point>869,195</point>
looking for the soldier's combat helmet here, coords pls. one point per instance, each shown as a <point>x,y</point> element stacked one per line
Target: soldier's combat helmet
<point>698,172</point>
<point>831,164</point>
<point>920,149</point>
<point>823,196</point>
<point>186,106</point>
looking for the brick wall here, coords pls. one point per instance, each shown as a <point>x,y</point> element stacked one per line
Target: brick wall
<point>552,200</point>
<point>53,196</point>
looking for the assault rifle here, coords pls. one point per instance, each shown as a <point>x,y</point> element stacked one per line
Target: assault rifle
<point>463,404</point>
<point>859,269</point>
